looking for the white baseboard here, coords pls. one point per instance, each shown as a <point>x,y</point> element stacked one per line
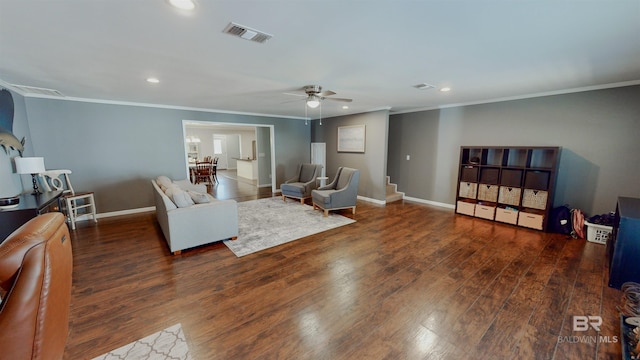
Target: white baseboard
<point>363,198</point>
<point>117,213</point>
<point>375,201</point>
<point>429,202</point>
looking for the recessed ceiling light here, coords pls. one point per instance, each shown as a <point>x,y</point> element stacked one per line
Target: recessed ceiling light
<point>445,89</point>
<point>153,80</point>
<point>345,107</point>
<point>183,4</point>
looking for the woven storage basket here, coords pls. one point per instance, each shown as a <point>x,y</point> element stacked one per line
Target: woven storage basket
<point>535,199</point>
<point>488,192</point>
<point>509,195</point>
<point>468,190</point>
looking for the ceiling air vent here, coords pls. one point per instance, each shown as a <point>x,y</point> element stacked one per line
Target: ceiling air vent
<point>423,86</point>
<point>31,90</point>
<point>246,33</point>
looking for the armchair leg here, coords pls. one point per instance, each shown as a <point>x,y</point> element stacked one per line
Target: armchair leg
<point>326,213</point>
<point>284,198</point>
<point>302,201</point>
<point>353,210</point>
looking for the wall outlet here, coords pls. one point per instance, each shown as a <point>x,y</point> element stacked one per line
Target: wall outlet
<point>408,157</point>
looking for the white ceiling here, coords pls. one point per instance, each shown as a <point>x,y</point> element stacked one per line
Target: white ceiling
<point>370,51</point>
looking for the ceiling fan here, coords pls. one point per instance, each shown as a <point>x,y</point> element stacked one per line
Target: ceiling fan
<point>314,95</point>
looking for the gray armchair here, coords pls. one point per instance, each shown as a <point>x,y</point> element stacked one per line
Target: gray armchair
<point>300,186</point>
<point>342,193</point>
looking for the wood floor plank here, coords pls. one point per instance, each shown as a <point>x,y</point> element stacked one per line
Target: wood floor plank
<point>546,323</point>
<point>405,280</point>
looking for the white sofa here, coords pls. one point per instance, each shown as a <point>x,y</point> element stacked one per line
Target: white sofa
<point>190,225</point>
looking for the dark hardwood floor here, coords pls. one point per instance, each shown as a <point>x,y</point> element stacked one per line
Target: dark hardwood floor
<point>230,187</point>
<point>405,281</point>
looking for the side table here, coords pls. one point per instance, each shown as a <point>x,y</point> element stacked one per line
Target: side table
<point>322,180</point>
<point>29,207</point>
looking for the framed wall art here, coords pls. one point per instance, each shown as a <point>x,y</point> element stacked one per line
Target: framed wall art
<point>351,138</point>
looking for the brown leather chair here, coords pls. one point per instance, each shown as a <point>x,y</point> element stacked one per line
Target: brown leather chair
<point>35,272</point>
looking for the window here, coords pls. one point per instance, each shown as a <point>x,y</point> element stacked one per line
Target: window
<point>217,146</point>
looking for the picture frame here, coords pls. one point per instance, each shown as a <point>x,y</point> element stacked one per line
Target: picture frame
<point>351,138</point>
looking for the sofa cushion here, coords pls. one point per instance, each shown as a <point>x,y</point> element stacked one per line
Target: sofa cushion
<point>164,182</point>
<point>198,198</point>
<point>296,189</point>
<point>181,198</point>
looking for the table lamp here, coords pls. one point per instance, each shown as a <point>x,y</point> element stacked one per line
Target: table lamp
<point>33,166</point>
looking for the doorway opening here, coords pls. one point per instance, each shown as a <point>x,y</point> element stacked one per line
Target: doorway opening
<point>248,150</point>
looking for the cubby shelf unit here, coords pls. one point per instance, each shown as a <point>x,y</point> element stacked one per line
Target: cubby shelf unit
<point>509,184</point>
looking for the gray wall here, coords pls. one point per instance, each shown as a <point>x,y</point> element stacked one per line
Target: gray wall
<point>114,150</point>
<point>372,164</point>
<point>599,132</point>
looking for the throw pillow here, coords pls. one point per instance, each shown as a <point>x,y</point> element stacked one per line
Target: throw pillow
<point>182,199</point>
<point>164,182</point>
<point>198,198</point>
<point>171,189</point>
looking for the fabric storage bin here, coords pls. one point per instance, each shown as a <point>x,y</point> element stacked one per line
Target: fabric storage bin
<point>510,177</point>
<point>530,220</point>
<point>465,208</point>
<point>488,192</point>
<point>507,216</point>
<point>485,212</point>
<point>469,174</point>
<point>536,180</point>
<point>468,190</point>
<point>509,195</point>
<point>489,175</point>
<point>535,199</point>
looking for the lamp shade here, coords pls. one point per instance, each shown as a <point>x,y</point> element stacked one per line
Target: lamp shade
<point>29,165</point>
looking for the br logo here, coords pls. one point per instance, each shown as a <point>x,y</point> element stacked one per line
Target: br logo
<point>582,323</point>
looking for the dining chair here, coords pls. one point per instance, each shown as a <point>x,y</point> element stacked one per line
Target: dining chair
<point>204,172</point>
<point>215,169</point>
<point>73,204</point>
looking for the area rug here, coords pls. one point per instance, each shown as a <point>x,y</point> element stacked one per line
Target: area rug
<point>270,222</point>
<point>168,344</point>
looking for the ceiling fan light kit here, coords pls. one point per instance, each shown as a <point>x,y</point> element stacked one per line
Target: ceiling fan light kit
<point>313,101</point>
<point>183,4</point>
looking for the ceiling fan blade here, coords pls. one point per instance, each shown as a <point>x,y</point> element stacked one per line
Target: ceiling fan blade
<point>292,94</point>
<point>327,93</point>
<point>290,101</point>
<point>337,99</point>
